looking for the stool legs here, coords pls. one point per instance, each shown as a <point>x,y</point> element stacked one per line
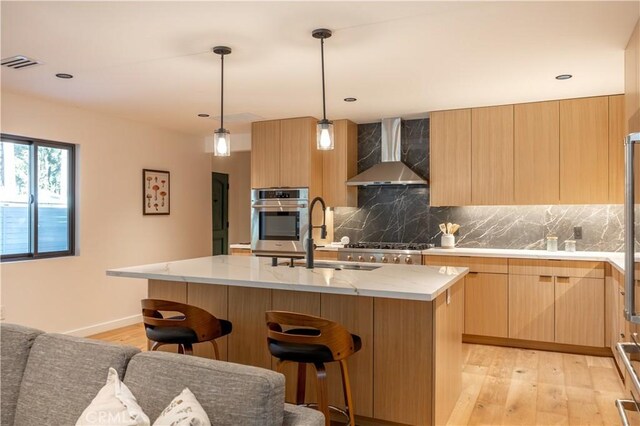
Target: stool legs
<point>215,349</point>
<point>188,348</point>
<point>346,386</point>
<point>302,383</point>
<point>323,392</point>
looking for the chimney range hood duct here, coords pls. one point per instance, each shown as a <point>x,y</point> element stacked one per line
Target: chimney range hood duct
<point>391,171</point>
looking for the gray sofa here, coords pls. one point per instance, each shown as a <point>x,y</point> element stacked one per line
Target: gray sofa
<point>49,379</point>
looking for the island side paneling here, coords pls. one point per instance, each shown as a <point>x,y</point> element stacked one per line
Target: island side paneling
<point>355,313</point>
<point>408,371</point>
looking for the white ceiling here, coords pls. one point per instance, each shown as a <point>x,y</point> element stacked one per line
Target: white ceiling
<point>151,61</point>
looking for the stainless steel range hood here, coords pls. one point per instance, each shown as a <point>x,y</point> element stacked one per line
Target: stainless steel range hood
<point>391,171</point>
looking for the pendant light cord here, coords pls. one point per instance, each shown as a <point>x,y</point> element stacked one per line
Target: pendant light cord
<point>324,107</point>
<point>222,93</point>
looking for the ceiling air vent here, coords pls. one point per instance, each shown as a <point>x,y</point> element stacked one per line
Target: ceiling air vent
<point>19,62</point>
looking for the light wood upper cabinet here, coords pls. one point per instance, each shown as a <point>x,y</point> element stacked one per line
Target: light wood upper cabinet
<point>584,150</point>
<point>536,153</point>
<point>283,154</point>
<point>531,307</point>
<point>617,133</point>
<point>300,161</point>
<point>492,155</point>
<point>450,158</point>
<point>579,316</point>
<point>340,164</point>
<point>632,80</point>
<point>265,154</point>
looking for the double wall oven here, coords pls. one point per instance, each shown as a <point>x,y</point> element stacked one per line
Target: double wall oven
<point>279,221</point>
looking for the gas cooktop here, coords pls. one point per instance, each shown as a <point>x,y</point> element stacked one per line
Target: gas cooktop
<point>389,246</point>
<point>409,253</point>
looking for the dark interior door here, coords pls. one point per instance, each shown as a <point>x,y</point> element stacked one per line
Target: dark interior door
<point>220,200</point>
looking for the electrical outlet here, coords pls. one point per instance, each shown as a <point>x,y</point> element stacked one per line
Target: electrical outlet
<point>577,232</point>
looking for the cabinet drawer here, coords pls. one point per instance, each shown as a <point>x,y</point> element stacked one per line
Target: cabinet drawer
<point>558,268</point>
<point>492,265</point>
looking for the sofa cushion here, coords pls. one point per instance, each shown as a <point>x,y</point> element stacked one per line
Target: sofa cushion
<point>231,394</point>
<point>62,376</point>
<point>15,344</point>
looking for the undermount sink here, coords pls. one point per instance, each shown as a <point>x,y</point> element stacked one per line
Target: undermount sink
<point>338,266</point>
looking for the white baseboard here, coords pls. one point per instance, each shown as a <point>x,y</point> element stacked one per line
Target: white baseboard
<point>105,326</point>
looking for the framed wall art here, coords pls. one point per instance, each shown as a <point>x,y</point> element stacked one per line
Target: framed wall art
<point>156,192</point>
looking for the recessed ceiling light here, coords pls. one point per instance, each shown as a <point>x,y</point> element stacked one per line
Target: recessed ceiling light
<point>203,115</point>
<point>64,75</point>
<point>350,99</point>
<point>563,77</point>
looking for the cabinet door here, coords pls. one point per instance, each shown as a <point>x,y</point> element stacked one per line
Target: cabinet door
<point>537,143</point>
<point>492,155</point>
<point>450,158</point>
<point>617,133</point>
<point>580,311</point>
<point>486,304</point>
<point>296,152</point>
<point>531,307</point>
<point>265,154</point>
<point>339,165</point>
<point>584,150</point>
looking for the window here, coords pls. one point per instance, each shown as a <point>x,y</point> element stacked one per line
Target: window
<point>36,198</point>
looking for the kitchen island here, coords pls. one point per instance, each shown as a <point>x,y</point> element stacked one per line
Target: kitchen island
<point>410,319</point>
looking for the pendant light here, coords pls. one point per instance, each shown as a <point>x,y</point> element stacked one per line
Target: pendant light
<point>222,137</point>
<point>324,131</point>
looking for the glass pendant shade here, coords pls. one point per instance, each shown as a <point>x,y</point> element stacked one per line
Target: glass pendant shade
<point>222,143</point>
<point>324,134</point>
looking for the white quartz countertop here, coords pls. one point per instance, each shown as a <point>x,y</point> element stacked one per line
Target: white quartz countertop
<point>615,258</point>
<point>412,282</point>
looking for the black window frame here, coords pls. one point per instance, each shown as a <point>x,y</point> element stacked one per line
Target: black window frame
<point>34,143</point>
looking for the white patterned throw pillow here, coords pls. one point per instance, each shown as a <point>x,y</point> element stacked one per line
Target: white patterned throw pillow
<point>184,410</point>
<point>114,405</point>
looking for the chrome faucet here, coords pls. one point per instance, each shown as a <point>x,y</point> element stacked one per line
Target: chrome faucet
<point>323,229</point>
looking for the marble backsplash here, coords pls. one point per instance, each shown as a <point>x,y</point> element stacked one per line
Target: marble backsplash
<point>402,213</point>
<point>519,227</point>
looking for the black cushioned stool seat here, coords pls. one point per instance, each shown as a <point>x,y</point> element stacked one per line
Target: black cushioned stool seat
<point>194,325</point>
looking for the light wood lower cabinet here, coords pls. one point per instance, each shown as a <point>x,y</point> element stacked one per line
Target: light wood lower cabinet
<point>579,316</point>
<point>531,307</point>
<point>486,304</point>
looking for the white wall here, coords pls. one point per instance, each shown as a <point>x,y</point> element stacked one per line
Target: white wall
<point>238,167</point>
<point>73,293</point>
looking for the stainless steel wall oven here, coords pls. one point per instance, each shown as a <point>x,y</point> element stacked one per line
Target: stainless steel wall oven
<point>279,221</point>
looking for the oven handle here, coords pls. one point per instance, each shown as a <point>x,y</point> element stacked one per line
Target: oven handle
<point>285,206</point>
<point>623,405</point>
<point>627,365</point>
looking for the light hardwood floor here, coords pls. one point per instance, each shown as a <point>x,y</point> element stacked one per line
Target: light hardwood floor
<point>507,386</point>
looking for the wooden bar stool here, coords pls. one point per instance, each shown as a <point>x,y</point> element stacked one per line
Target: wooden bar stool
<point>313,340</point>
<point>195,325</point>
